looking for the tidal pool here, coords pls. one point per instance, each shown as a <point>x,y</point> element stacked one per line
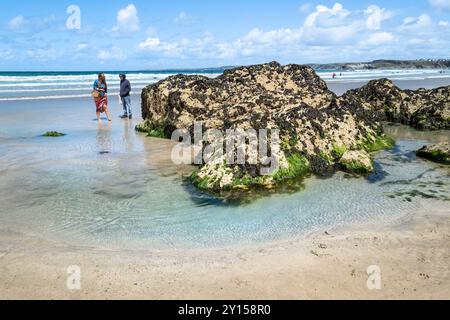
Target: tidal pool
<point>108,186</point>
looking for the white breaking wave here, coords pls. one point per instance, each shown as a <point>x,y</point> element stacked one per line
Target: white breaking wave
<point>91,78</point>
<point>46,87</point>
<point>53,97</point>
<point>360,75</point>
<point>66,86</point>
<point>59,84</point>
<point>62,89</point>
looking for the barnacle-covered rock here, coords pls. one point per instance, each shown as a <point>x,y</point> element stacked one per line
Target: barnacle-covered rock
<point>422,109</point>
<point>438,153</point>
<point>292,99</point>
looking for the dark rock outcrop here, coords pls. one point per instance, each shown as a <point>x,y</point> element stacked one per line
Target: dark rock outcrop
<point>438,153</point>
<point>316,127</point>
<point>422,109</point>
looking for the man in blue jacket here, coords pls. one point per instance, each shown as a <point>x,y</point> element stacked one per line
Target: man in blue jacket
<point>125,89</point>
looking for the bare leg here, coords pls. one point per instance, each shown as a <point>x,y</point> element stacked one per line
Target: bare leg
<point>98,116</point>
<point>107,114</point>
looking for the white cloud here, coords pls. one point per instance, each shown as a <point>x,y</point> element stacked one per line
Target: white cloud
<point>327,17</point>
<point>149,43</point>
<point>327,26</point>
<point>337,25</point>
<point>440,4</point>
<point>282,36</point>
<point>378,38</point>
<point>375,16</point>
<point>417,23</point>
<point>202,47</point>
<point>327,34</point>
<point>258,41</point>
<point>155,45</point>
<point>444,24</point>
<point>17,23</point>
<point>127,20</point>
<point>114,53</point>
<point>322,29</point>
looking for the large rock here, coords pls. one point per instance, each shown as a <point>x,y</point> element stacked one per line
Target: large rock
<point>438,153</point>
<point>316,127</point>
<point>422,109</point>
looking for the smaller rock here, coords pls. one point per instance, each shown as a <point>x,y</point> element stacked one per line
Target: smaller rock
<point>356,162</point>
<point>437,153</point>
<point>53,134</point>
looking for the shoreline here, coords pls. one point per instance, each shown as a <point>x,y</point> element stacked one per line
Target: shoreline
<point>413,255</point>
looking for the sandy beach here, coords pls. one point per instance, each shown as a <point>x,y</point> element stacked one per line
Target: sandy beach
<point>225,151</point>
<point>102,199</point>
<point>413,255</point>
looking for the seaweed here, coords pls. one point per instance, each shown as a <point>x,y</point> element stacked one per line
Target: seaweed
<point>53,134</point>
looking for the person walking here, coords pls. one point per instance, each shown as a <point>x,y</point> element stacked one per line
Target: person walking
<point>125,90</point>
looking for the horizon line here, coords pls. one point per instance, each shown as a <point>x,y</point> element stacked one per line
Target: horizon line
<point>231,66</point>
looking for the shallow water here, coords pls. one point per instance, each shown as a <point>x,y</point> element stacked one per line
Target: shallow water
<point>108,186</point>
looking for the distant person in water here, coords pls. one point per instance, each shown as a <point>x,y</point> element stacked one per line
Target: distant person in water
<point>100,95</point>
<point>125,90</point>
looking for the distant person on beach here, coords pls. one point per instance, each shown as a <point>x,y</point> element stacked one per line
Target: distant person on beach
<point>100,95</point>
<point>125,89</point>
<point>334,75</point>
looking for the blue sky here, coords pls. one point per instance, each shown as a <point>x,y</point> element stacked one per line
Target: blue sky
<point>139,34</point>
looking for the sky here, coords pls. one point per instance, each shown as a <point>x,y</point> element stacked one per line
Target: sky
<point>141,35</point>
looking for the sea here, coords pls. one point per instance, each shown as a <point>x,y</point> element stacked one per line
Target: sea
<point>17,86</point>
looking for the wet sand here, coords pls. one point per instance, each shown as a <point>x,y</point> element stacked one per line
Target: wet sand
<point>412,254</point>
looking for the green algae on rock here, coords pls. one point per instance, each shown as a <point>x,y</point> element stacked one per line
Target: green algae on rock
<point>438,153</point>
<point>53,134</point>
<point>356,162</point>
<point>316,128</point>
<point>151,131</point>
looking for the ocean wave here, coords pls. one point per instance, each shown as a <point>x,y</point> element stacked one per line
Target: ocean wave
<point>73,96</point>
<point>18,87</point>
<point>91,78</point>
<point>115,88</point>
<point>59,84</point>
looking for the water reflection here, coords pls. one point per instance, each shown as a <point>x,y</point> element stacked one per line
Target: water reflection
<point>128,135</point>
<point>404,132</point>
<point>104,140</point>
